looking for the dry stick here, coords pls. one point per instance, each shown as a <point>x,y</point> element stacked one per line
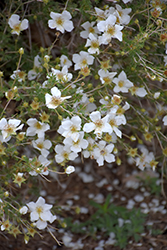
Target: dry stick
<point>73,35</point>
<point>29,38</point>
<point>144,65</point>
<point>54,237</point>
<point>162,181</point>
<point>5,107</point>
<point>7,22</point>
<point>40,33</point>
<point>77,80</point>
<point>66,5</point>
<point>51,47</point>
<point>162,170</point>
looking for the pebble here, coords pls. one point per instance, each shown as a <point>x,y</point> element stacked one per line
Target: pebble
<point>86,178</point>
<point>138,198</point>
<point>99,198</point>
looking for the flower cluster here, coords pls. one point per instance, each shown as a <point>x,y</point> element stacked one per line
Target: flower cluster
<point>90,93</point>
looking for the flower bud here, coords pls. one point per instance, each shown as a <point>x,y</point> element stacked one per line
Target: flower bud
<point>21,51</point>
<point>46,58</point>
<point>156,95</point>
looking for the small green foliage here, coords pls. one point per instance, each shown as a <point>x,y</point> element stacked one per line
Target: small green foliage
<point>152,184</point>
<point>106,219</point>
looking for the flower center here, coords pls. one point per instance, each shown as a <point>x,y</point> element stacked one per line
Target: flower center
<point>39,210</point>
<point>65,155</point>
<point>59,21</point>
<point>94,44</point>
<point>40,145</point>
<point>76,143</point>
<point>73,129</point>
<point>17,28</point>
<point>21,74</point>
<point>91,30</point>
<point>59,76</point>
<point>107,79</point>
<point>65,61</point>
<point>121,84</point>
<point>99,123</point>
<point>110,30</point>
<point>9,128</point>
<point>38,125</point>
<point>103,152</point>
<point>112,123</point>
<point>56,101</point>
<point>84,62</point>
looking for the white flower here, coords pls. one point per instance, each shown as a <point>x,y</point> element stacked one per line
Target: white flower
<point>122,14</point>
<point>69,170</point>
<point>106,77</point>
<point>37,164</point>
<point>36,127</point>
<point>115,120</point>
<point>76,146</point>
<point>64,153</point>
<point>61,75</point>
<point>32,74</point>
<point>98,124</point>
<point>165,120</point>
<point>19,75</point>
<point>16,25</point>
<point>89,29</point>
<point>64,61</point>
<point>141,92</point>
<point>110,29</point>
<point>9,127</point>
<point>42,145</point>
<point>101,14</point>
<point>40,212</point>
<point>106,24</point>
<point>144,160</point>
<point>94,43</point>
<point>156,95</point>
<point>54,100</point>
<point>37,61</point>
<point>122,83</point>
<point>61,21</point>
<point>71,128</point>
<point>23,210</point>
<point>103,152</point>
<point>82,60</point>
<point>127,1</point>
